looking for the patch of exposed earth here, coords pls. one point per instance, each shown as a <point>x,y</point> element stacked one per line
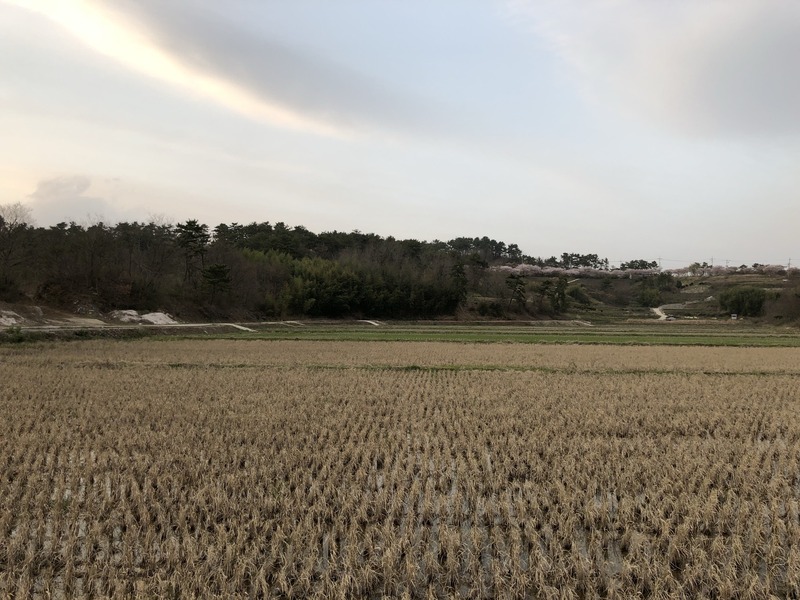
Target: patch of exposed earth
<point>30,316</point>
<point>8,318</point>
<point>151,318</point>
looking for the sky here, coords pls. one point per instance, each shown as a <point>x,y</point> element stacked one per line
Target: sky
<point>631,129</point>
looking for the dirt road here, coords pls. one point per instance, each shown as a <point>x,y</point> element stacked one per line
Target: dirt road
<point>662,316</point>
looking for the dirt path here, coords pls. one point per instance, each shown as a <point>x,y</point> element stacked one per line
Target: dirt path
<point>97,324</point>
<point>662,316</point>
<point>659,312</point>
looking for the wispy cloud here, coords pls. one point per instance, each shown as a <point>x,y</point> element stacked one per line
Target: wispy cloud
<point>194,47</point>
<point>65,198</point>
<point>61,188</point>
<point>715,68</point>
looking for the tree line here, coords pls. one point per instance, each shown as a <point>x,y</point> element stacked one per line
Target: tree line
<point>258,269</point>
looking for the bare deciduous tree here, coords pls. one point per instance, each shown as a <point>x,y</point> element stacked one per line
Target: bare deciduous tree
<point>14,219</point>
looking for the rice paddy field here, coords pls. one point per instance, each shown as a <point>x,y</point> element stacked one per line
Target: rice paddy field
<point>280,468</point>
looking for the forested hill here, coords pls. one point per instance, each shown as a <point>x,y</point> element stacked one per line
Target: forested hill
<point>258,270</point>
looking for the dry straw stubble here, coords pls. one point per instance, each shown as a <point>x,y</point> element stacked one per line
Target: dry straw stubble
<point>280,469</point>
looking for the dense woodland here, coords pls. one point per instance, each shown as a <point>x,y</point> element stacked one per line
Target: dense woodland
<point>265,270</point>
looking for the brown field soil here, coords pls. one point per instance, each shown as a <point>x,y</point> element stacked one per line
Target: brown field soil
<point>295,469</point>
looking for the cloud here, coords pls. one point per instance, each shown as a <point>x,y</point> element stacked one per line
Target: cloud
<point>111,31</point>
<point>111,200</point>
<point>196,47</point>
<point>64,199</point>
<point>271,69</point>
<point>61,188</point>
<point>717,68</point>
